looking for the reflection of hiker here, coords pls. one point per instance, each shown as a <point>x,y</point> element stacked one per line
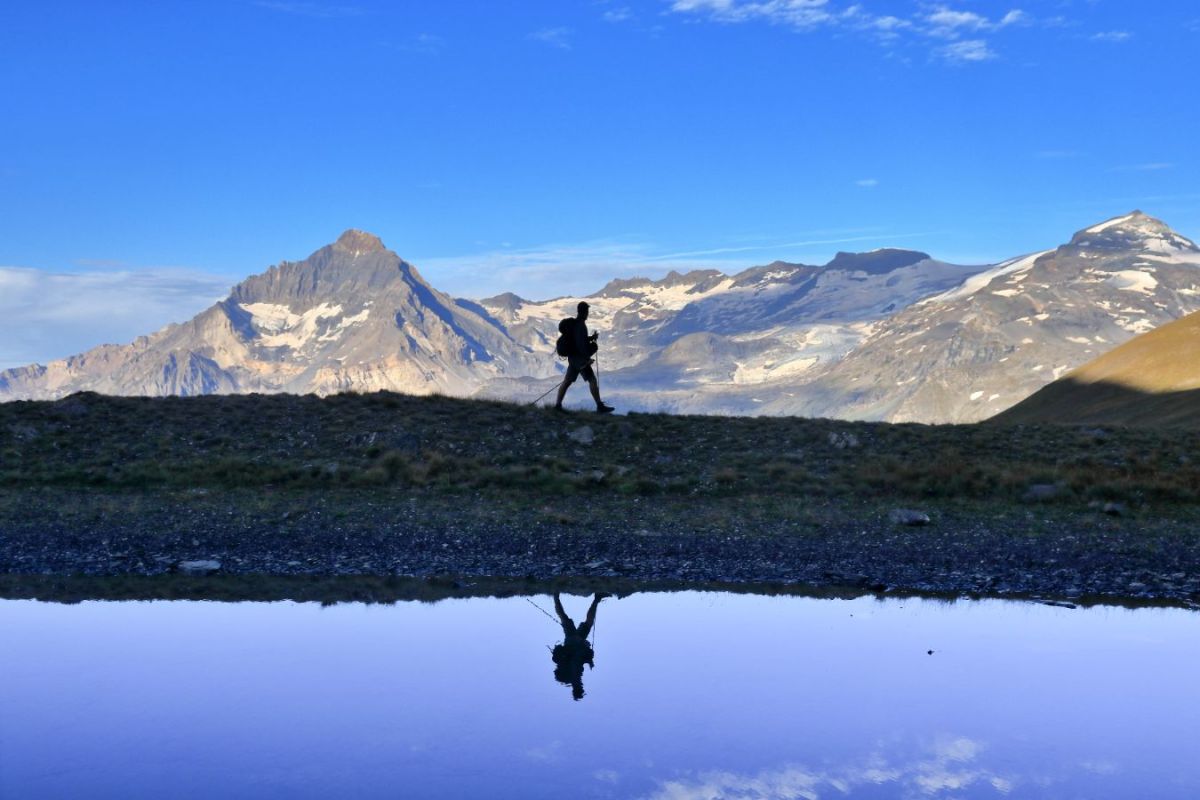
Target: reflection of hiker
<point>579,348</point>
<point>570,656</point>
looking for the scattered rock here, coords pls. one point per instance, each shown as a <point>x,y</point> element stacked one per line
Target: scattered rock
<point>407,443</point>
<point>1041,492</point>
<point>843,441</point>
<point>1115,509</point>
<point>23,432</point>
<point>207,567</point>
<point>908,516</point>
<point>583,435</point>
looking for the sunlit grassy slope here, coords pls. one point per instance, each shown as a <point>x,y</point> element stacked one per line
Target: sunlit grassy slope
<point>1152,380</point>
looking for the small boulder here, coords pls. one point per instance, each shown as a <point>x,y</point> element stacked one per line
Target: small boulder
<point>843,441</point>
<point>908,516</point>
<point>1041,492</point>
<point>1115,509</point>
<point>407,443</point>
<point>206,567</point>
<point>583,435</point>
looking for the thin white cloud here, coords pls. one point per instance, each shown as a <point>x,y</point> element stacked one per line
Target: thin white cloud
<point>802,14</point>
<point>949,23</point>
<point>554,37</point>
<point>931,22</point>
<point>621,14</point>
<point>1113,37</point>
<point>867,183</point>
<point>966,51</point>
<point>1151,166</point>
<point>45,315</point>
<point>950,765</point>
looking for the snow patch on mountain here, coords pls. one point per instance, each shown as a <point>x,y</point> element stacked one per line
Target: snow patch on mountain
<point>1112,223</point>
<point>1013,267</point>
<point>279,326</point>
<point>1133,280</point>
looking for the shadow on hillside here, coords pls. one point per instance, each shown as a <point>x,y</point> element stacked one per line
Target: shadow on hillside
<point>1070,402</point>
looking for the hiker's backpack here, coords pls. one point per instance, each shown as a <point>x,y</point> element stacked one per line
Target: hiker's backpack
<point>565,346</point>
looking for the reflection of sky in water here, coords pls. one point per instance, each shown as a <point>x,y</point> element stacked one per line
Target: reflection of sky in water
<point>692,696</point>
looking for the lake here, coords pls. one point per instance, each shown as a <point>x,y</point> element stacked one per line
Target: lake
<point>688,695</point>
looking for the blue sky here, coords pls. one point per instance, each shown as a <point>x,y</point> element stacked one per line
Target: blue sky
<point>152,153</point>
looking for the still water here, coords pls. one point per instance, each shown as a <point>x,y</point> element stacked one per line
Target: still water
<point>690,695</point>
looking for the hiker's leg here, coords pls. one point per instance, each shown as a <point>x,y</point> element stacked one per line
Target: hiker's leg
<point>586,627</point>
<point>594,385</point>
<point>568,379</point>
<point>568,625</point>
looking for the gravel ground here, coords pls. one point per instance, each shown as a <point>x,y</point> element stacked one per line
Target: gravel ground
<point>1080,556</point>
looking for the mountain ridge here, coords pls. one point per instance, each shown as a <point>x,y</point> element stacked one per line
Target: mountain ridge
<point>888,334</point>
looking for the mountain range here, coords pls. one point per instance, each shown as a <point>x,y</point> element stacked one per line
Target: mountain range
<point>890,334</point>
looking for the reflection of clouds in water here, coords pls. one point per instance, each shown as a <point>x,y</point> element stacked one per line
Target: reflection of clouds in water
<point>545,753</point>
<point>947,767</point>
<point>1099,767</point>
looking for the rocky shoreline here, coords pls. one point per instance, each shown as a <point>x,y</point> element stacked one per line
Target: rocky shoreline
<point>1075,558</point>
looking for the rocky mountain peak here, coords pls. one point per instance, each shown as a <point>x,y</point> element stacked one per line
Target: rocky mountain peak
<point>1133,231</point>
<point>357,242</point>
<point>876,262</point>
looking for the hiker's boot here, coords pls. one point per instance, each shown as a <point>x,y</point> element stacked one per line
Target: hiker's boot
<point>601,408</point>
<point>560,409</point>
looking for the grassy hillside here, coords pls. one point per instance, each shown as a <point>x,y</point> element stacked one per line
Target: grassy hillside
<point>388,444</point>
<point>1152,380</point>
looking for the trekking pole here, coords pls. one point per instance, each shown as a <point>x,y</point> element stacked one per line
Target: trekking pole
<point>548,391</point>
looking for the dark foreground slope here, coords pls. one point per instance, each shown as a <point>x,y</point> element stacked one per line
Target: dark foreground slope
<point>388,484</point>
<point>1069,401</point>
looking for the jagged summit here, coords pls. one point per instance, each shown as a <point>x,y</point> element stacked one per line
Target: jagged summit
<point>356,241</point>
<point>1135,230</point>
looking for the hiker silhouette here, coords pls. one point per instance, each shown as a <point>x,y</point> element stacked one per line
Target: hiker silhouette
<point>575,651</point>
<point>582,346</point>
